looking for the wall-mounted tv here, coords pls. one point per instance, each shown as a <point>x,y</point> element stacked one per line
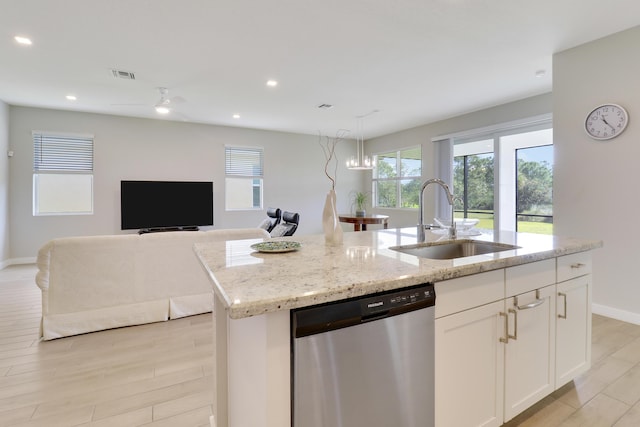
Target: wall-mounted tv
<point>157,205</point>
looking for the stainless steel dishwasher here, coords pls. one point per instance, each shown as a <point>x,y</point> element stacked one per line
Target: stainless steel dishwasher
<point>365,362</point>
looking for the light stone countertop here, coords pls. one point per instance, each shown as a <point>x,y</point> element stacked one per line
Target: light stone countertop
<point>251,283</point>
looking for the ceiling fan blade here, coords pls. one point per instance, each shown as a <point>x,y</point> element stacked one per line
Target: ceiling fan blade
<point>179,115</point>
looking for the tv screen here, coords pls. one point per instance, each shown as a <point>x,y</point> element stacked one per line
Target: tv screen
<point>165,204</point>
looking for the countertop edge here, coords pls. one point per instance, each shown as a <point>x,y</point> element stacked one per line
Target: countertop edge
<point>240,311</point>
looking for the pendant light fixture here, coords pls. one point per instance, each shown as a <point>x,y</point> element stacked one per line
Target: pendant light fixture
<point>360,161</point>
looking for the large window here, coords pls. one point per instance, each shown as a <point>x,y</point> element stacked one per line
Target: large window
<point>534,201</point>
<point>397,178</point>
<point>244,174</point>
<point>473,182</point>
<point>62,174</point>
<point>506,179</point>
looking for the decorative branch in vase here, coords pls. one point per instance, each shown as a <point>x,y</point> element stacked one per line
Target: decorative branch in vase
<point>330,221</point>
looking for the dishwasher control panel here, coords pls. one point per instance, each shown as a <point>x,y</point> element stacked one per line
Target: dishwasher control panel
<point>341,314</point>
<point>423,295</point>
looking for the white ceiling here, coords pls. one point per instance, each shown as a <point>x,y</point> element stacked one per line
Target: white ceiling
<point>416,61</point>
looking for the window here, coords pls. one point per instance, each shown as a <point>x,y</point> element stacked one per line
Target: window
<point>473,181</point>
<point>243,183</point>
<point>397,178</point>
<point>62,174</point>
<point>534,201</point>
<point>511,170</point>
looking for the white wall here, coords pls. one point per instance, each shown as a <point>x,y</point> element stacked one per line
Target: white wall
<point>130,148</point>
<point>422,135</point>
<point>4,184</point>
<point>595,192</point>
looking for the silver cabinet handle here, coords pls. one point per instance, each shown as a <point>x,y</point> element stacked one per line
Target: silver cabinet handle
<point>507,336</point>
<point>564,296</point>
<point>533,304</point>
<point>505,339</point>
<point>515,325</point>
<point>578,265</point>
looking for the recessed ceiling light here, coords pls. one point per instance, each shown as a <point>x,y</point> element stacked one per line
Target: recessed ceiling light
<point>162,110</point>
<point>236,116</point>
<point>71,97</point>
<point>272,83</point>
<point>23,40</point>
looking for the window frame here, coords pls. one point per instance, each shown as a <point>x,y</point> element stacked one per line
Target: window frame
<point>503,218</point>
<point>56,156</point>
<point>239,171</point>
<point>518,215</point>
<point>397,179</point>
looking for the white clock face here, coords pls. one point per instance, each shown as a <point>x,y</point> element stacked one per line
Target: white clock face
<point>606,121</point>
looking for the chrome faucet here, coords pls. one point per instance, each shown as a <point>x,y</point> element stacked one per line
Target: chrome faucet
<point>445,187</point>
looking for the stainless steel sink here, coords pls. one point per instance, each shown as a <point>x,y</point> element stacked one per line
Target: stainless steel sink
<point>453,249</point>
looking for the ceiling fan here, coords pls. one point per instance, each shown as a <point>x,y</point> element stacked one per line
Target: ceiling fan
<point>164,105</point>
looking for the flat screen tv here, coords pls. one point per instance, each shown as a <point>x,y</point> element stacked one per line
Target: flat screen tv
<point>158,205</point>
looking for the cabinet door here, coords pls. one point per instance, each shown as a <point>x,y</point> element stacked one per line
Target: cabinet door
<point>469,359</point>
<point>573,329</point>
<point>530,354</point>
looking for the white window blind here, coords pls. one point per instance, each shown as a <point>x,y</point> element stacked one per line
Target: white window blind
<point>243,183</point>
<point>62,153</point>
<point>62,174</point>
<point>244,161</point>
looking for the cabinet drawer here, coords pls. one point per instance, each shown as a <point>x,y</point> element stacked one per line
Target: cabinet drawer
<point>527,277</point>
<point>468,292</point>
<point>574,265</point>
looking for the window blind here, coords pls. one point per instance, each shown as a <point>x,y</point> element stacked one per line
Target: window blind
<point>62,153</point>
<point>243,161</point>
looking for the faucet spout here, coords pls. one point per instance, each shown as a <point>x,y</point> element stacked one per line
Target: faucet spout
<point>445,187</point>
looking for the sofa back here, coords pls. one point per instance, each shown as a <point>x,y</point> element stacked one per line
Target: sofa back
<point>93,272</point>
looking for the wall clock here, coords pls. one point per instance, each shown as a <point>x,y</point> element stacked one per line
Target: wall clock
<point>606,121</point>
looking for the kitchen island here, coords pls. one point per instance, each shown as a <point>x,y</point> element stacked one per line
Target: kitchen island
<point>254,293</point>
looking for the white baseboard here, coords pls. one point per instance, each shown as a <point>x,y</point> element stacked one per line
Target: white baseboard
<point>616,313</point>
<point>16,261</point>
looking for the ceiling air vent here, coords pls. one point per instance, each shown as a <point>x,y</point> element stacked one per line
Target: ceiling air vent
<point>120,74</point>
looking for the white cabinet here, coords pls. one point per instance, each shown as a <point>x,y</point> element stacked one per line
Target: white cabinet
<point>530,350</point>
<point>573,322</point>
<point>495,344</point>
<point>469,356</point>
<point>470,367</point>
<point>530,345</point>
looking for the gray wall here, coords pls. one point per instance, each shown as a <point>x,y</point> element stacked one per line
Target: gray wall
<point>4,184</point>
<point>422,135</point>
<point>131,148</point>
<point>594,192</point>
<point>593,180</point>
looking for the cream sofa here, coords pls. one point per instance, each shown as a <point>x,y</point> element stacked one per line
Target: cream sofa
<point>101,282</point>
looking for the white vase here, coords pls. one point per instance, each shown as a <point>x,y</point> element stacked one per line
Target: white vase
<point>330,220</point>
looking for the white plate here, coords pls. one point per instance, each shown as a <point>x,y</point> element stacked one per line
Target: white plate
<point>278,246</point>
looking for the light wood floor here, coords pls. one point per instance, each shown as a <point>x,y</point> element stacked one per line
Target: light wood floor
<point>151,375</point>
<point>160,374</point>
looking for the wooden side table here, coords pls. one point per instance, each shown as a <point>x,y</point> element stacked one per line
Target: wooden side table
<point>360,222</point>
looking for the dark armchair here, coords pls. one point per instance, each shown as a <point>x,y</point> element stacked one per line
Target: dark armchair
<point>288,226</point>
<point>274,215</point>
